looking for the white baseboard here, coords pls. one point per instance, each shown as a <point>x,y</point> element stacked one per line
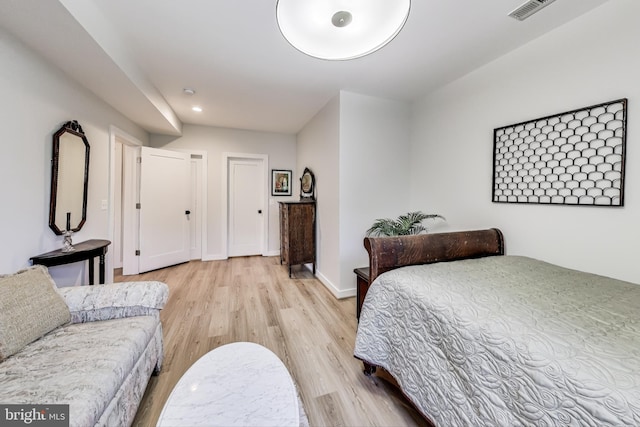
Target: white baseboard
<point>219,257</point>
<point>214,257</point>
<point>338,293</point>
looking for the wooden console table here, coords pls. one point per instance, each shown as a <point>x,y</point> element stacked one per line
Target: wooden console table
<point>87,250</point>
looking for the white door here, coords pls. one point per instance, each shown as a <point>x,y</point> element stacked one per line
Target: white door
<point>246,210</point>
<point>165,197</point>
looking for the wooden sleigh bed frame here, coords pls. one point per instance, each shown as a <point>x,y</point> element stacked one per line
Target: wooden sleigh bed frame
<point>388,253</point>
<point>498,340</point>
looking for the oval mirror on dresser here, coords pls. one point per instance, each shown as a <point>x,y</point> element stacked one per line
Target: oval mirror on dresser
<point>69,179</point>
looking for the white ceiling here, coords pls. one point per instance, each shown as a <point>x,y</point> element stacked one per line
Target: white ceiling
<point>138,55</point>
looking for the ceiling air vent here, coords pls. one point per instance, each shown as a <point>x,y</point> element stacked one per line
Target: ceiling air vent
<point>529,8</point>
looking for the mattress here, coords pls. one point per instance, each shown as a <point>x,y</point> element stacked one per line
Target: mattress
<point>507,341</point>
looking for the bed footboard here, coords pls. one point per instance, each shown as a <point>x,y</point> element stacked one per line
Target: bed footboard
<point>388,253</point>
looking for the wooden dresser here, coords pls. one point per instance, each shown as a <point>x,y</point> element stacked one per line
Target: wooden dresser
<point>298,233</point>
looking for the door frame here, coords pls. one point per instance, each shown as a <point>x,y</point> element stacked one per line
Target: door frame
<point>130,215</point>
<point>226,157</point>
<point>126,139</point>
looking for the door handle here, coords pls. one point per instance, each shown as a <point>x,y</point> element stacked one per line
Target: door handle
<point>187,212</point>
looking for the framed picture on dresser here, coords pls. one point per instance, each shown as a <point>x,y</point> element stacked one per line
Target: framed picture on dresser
<point>280,182</point>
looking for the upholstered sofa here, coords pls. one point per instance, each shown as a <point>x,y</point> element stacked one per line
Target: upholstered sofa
<point>91,347</point>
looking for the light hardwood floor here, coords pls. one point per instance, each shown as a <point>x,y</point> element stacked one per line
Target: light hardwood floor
<point>253,299</point>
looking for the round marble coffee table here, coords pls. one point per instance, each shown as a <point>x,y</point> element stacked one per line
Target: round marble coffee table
<point>238,384</point>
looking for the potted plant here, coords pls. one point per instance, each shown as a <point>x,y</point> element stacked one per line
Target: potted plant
<point>409,223</point>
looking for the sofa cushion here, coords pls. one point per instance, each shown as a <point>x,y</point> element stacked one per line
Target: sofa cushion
<point>114,300</point>
<point>30,307</point>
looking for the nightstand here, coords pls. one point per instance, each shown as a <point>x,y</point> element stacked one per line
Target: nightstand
<point>362,275</point>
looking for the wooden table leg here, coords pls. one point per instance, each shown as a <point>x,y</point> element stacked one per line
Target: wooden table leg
<point>101,269</point>
<point>91,270</point>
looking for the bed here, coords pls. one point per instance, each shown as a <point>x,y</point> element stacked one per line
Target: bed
<point>474,337</point>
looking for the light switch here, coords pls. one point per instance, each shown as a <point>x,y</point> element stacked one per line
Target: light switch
<point>104,205</point>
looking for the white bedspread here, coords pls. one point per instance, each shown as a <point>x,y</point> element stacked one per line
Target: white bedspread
<point>507,341</point>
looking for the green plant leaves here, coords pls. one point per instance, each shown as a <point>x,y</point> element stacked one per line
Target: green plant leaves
<point>409,223</point>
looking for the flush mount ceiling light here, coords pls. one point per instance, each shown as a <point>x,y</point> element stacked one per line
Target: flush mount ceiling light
<point>341,29</point>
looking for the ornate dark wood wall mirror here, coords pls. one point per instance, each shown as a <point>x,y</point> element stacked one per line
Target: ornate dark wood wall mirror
<point>69,179</point>
<point>307,185</point>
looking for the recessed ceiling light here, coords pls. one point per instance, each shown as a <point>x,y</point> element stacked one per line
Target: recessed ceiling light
<point>197,109</point>
<point>188,91</point>
<point>341,29</point>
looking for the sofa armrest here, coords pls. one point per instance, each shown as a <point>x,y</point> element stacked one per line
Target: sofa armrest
<point>114,300</point>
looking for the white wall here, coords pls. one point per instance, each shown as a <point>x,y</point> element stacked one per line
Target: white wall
<point>374,173</point>
<point>36,100</point>
<point>587,61</point>
<point>281,149</point>
<point>358,148</point>
<point>318,149</point>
